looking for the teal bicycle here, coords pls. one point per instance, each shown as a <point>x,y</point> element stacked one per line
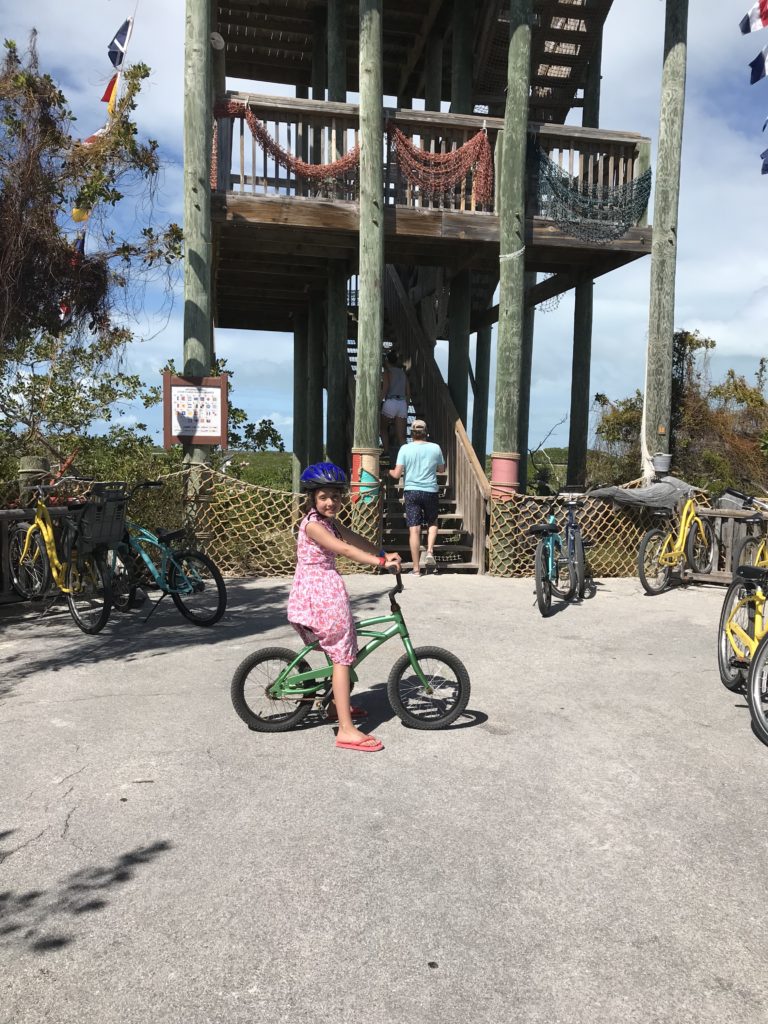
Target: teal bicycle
<point>147,558</point>
<point>276,688</point>
<point>561,566</point>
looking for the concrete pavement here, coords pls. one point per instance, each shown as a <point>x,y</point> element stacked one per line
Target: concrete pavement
<point>587,845</point>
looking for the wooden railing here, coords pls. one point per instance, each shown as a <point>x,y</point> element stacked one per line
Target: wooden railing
<point>319,132</point>
<point>465,474</point>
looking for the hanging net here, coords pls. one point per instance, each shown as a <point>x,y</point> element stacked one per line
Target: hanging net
<point>437,174</point>
<point>302,169</point>
<point>596,212</point>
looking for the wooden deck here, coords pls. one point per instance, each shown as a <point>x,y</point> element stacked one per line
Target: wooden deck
<point>274,234</point>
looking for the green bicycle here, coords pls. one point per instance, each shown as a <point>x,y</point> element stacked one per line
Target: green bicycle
<point>276,688</point>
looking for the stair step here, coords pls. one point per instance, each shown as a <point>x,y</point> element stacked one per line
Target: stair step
<point>443,568</point>
<point>397,531</point>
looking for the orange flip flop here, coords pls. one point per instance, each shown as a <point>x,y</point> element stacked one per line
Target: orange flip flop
<point>367,745</point>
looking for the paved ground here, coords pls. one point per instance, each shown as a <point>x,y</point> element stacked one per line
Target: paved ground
<point>588,846</point>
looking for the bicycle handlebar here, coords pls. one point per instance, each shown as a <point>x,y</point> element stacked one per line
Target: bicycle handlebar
<point>144,483</point>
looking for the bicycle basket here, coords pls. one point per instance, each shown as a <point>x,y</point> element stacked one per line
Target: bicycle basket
<point>102,520</point>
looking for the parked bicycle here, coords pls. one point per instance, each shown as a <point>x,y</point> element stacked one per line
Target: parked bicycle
<point>152,558</point>
<point>743,624</point>
<point>663,549</point>
<point>560,563</point>
<point>757,678</point>
<point>276,688</point>
<point>753,550</point>
<point>73,558</point>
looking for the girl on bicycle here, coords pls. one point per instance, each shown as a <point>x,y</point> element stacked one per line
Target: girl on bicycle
<point>318,606</point>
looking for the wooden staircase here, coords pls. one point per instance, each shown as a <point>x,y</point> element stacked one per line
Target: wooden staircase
<point>456,548</point>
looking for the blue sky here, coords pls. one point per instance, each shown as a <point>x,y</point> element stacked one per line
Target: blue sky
<point>722,279</point>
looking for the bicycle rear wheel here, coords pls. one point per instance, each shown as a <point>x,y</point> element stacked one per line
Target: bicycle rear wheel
<point>196,587</point>
<point>250,694</point>
<point>564,582</point>
<point>653,575</point>
<point>700,546</point>
<point>89,596</point>
<point>438,705</point>
<point>543,582</point>
<point>757,691</point>
<point>752,551</point>
<point>734,663</point>
<point>30,576</point>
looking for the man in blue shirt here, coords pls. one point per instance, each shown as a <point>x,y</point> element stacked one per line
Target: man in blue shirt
<point>420,462</point>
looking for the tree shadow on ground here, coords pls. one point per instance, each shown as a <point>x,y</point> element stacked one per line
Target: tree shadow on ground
<point>42,920</point>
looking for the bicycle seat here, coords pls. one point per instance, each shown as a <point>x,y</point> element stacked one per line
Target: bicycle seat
<point>753,573</point>
<point>543,529</point>
<point>167,536</point>
<point>586,542</point>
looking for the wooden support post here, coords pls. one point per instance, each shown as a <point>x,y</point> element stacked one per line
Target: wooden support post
<point>526,365</point>
<point>506,441</point>
<point>463,26</point>
<point>459,311</point>
<point>337,52</point>
<point>433,72</point>
<point>480,405</point>
<point>336,324</point>
<point>578,433</point>
<point>370,302</point>
<point>314,396</point>
<point>198,125</point>
<point>338,366</point>
<point>319,78</point>
<point>460,300</point>
<point>657,407</point>
<point>580,393</point>
<point>300,352</point>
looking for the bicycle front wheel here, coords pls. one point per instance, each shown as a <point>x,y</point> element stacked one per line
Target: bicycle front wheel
<point>653,575</point>
<point>700,546</point>
<point>543,582</point>
<point>564,582</point>
<point>733,662</point>
<point>752,551</point>
<point>251,697</point>
<point>89,596</point>
<point>439,703</point>
<point>30,575</point>
<point>122,581</point>
<point>196,587</point>
<point>579,568</point>
<point>757,691</point>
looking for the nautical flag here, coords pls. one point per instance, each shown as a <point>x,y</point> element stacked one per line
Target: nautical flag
<point>764,158</point>
<point>758,67</point>
<point>110,94</point>
<point>95,137</point>
<point>80,214</point>
<point>756,19</point>
<point>119,44</point>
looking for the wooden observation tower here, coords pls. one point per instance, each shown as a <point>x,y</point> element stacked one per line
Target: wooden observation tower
<point>393,219</point>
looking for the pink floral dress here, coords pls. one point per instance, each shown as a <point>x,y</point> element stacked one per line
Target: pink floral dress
<point>318,605</point>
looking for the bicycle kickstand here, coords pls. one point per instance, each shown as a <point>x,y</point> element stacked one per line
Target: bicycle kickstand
<point>155,606</point>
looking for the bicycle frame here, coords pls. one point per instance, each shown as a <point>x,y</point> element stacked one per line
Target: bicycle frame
<point>738,638</point>
<point>294,684</point>
<point>44,525</point>
<point>139,535</point>
<point>674,547</point>
<point>554,546</point>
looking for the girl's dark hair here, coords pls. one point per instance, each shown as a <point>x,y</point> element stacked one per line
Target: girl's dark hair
<point>392,358</point>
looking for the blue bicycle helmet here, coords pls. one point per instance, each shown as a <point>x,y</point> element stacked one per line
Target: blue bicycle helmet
<point>322,474</point>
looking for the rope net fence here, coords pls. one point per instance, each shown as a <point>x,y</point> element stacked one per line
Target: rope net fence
<point>615,533</point>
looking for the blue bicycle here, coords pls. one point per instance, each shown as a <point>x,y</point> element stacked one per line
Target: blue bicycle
<point>560,566</point>
<point>147,558</point>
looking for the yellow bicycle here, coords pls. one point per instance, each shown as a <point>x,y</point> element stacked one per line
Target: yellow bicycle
<point>76,560</point>
<point>662,550</point>
<point>743,624</point>
<point>753,549</point>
